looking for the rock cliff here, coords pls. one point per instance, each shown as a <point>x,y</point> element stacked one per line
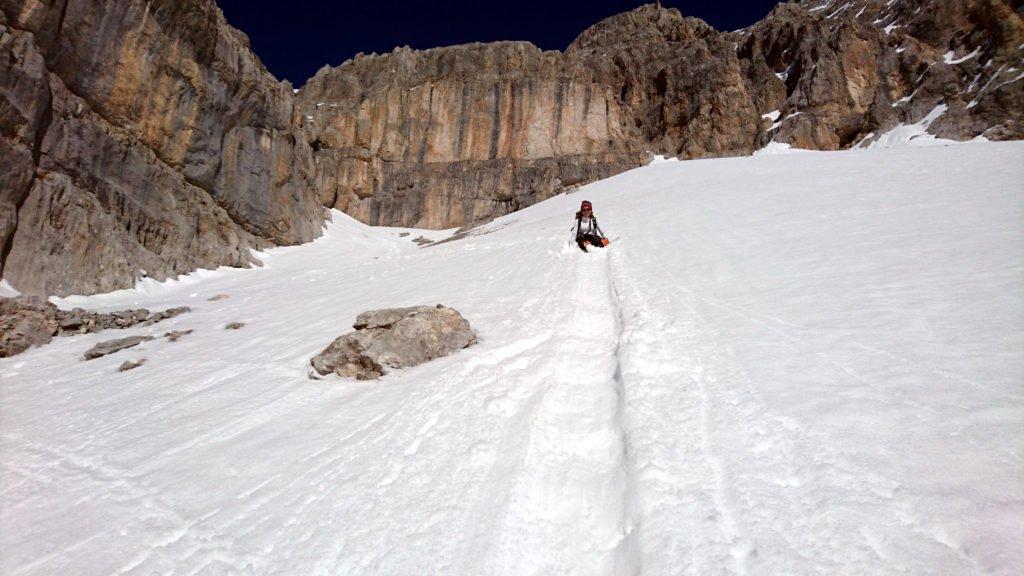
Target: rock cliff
<point>841,73</point>
<point>449,136</point>
<point>445,137</point>
<point>146,139</point>
<point>140,138</point>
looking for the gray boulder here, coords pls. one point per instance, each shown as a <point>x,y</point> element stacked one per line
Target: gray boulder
<point>395,338</point>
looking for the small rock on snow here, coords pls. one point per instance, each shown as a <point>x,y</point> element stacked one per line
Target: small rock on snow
<point>110,346</point>
<point>131,364</point>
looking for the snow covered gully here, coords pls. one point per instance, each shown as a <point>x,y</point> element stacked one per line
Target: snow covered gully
<point>800,364</point>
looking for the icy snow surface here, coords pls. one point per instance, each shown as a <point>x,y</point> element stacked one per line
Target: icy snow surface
<point>913,135</point>
<point>783,365</point>
<point>950,57</point>
<point>6,290</point>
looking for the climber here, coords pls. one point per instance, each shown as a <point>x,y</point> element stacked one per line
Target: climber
<point>586,231</point>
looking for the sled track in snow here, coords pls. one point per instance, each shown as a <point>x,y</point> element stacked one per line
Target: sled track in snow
<point>628,548</point>
<point>678,477</point>
<point>572,495</point>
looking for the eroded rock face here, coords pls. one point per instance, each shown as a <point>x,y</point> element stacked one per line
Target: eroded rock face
<point>842,73</point>
<point>25,322</point>
<point>395,338</point>
<point>445,137</point>
<point>449,136</point>
<point>141,138</point>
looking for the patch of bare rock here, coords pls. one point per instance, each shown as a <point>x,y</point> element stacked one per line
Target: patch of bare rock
<point>111,346</point>
<point>394,338</point>
<point>174,335</point>
<point>233,325</point>
<point>131,364</point>
<point>27,321</point>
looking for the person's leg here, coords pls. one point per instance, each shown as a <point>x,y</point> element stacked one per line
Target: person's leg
<point>595,240</point>
<point>580,242</point>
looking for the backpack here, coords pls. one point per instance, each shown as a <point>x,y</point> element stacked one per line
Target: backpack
<point>579,220</point>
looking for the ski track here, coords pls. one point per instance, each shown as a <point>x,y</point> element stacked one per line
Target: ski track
<point>721,493</point>
<point>639,410</point>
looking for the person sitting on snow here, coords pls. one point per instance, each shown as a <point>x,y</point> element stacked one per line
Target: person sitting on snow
<point>586,230</point>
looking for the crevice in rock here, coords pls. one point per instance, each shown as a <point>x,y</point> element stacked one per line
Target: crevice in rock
<point>45,121</point>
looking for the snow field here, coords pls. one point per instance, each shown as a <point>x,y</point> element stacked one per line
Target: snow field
<point>788,364</point>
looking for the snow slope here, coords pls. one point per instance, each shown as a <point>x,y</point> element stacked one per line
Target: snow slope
<point>786,364</point>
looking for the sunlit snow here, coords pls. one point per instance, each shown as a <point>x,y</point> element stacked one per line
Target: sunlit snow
<point>792,364</point>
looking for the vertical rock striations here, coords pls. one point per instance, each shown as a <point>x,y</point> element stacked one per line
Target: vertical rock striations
<point>143,138</point>
<point>448,136</point>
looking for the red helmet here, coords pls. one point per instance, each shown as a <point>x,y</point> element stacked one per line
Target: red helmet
<point>586,204</point>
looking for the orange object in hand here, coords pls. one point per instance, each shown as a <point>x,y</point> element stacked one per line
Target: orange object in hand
<point>605,241</point>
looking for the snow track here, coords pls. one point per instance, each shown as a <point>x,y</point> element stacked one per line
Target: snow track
<point>716,457</point>
<point>569,498</point>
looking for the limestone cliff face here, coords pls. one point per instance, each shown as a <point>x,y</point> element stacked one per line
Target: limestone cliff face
<point>678,78</point>
<point>443,137</point>
<point>449,136</point>
<point>843,73</point>
<point>143,138</point>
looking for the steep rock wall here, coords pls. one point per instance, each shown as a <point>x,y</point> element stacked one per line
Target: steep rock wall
<point>449,136</point>
<point>842,73</point>
<point>145,140</point>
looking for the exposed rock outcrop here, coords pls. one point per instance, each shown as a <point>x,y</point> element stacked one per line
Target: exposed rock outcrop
<point>843,73</point>
<point>394,338</point>
<point>140,138</point>
<point>111,346</point>
<point>28,321</point>
<point>449,136</point>
<point>440,138</point>
<point>444,137</point>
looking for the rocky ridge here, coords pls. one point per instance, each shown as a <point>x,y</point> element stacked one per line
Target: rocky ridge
<point>27,321</point>
<point>146,139</point>
<point>448,136</point>
<point>839,74</point>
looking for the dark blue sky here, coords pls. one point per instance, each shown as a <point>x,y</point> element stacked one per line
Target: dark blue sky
<point>294,39</point>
